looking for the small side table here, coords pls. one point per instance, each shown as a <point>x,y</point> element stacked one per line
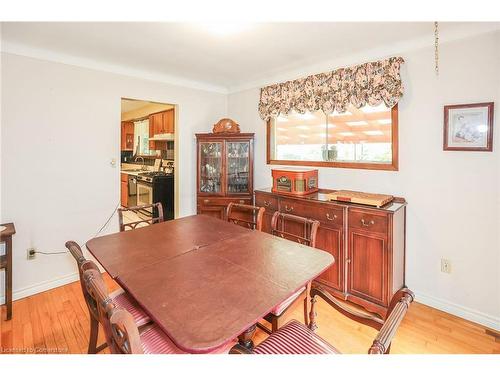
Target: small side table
<point>6,263</point>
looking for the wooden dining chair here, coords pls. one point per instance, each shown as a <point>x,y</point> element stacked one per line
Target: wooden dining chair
<point>301,230</point>
<point>296,338</point>
<point>119,297</point>
<point>121,331</point>
<point>157,215</point>
<point>245,215</point>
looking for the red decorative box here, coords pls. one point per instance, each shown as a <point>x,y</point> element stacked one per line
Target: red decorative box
<point>294,181</point>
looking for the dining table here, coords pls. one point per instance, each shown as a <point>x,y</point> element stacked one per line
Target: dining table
<point>204,281</point>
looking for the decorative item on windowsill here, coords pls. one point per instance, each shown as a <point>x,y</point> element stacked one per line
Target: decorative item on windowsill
<point>226,125</point>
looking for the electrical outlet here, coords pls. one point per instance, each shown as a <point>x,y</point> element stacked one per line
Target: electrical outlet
<point>445,265</point>
<point>30,253</point>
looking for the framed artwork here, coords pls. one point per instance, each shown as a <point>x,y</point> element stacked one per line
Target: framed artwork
<point>468,127</point>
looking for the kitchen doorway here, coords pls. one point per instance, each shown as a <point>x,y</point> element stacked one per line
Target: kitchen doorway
<point>148,158</point>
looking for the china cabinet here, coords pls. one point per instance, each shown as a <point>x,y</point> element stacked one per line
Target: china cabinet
<point>224,171</point>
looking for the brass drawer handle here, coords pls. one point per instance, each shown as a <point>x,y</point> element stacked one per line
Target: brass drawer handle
<point>242,201</point>
<point>367,224</point>
<point>288,209</point>
<point>206,201</point>
<point>267,204</point>
<point>330,217</point>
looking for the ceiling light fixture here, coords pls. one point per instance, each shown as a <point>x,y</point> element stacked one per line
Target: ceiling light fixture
<point>346,113</point>
<point>346,134</point>
<point>303,127</point>
<point>356,123</point>
<point>384,121</point>
<point>379,108</point>
<point>221,28</point>
<point>373,132</point>
<point>306,116</point>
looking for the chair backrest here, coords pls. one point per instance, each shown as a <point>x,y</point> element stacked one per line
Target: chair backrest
<point>120,330</point>
<point>100,301</point>
<point>83,265</point>
<point>125,334</point>
<point>387,328</point>
<point>295,228</point>
<point>76,251</point>
<point>155,208</point>
<point>245,215</point>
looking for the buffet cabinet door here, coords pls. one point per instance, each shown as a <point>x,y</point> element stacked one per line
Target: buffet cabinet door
<point>367,266</point>
<point>331,240</point>
<point>210,171</point>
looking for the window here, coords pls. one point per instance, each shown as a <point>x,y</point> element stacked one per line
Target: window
<point>358,138</point>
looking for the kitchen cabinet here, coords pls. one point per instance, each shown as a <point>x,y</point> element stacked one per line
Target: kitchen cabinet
<point>224,171</point>
<point>124,189</point>
<point>368,244</point>
<point>127,136</point>
<point>161,123</point>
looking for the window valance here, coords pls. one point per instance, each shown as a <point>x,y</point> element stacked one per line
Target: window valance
<point>369,83</point>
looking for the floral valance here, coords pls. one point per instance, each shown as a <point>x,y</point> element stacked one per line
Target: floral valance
<point>359,85</point>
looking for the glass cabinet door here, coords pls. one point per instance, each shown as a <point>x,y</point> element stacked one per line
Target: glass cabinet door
<point>238,167</point>
<point>210,167</point>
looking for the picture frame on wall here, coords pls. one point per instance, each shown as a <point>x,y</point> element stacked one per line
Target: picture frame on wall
<point>468,127</point>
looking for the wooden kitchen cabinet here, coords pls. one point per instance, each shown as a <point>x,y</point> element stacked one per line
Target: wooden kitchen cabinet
<point>161,123</point>
<point>168,122</point>
<point>368,244</point>
<point>124,189</point>
<point>224,172</point>
<point>127,136</point>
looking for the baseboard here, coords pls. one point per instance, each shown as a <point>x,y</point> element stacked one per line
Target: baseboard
<point>452,308</point>
<point>41,287</point>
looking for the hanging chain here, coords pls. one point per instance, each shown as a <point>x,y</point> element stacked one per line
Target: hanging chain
<point>436,48</point>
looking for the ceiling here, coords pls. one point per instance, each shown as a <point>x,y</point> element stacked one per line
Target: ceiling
<point>194,55</point>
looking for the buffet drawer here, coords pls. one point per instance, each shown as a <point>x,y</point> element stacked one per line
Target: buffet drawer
<point>322,213</point>
<point>269,202</point>
<point>369,221</point>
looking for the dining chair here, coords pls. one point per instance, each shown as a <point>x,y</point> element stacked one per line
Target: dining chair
<point>245,215</point>
<point>301,230</point>
<point>296,338</point>
<point>121,331</point>
<point>119,297</point>
<point>157,215</point>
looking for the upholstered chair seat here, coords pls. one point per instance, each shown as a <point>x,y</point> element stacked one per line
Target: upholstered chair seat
<point>154,341</point>
<point>122,300</point>
<point>294,338</point>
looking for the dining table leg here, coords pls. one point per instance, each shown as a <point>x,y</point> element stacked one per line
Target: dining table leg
<point>245,339</point>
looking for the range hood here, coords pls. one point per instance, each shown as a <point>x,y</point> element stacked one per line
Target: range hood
<point>163,137</point>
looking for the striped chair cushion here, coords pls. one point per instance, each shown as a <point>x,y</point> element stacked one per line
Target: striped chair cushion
<point>294,338</point>
<point>284,305</point>
<point>154,341</point>
<point>124,301</point>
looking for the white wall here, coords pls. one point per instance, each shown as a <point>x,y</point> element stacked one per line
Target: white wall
<point>60,129</point>
<point>453,197</point>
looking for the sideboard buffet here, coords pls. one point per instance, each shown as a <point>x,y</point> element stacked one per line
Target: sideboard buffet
<point>368,244</point>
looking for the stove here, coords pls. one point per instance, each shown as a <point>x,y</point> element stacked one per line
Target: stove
<point>149,176</point>
<point>153,187</point>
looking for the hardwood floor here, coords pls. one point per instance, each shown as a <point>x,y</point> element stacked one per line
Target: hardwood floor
<point>56,321</point>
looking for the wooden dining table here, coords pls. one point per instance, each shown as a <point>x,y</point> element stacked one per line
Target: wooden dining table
<point>206,282</point>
